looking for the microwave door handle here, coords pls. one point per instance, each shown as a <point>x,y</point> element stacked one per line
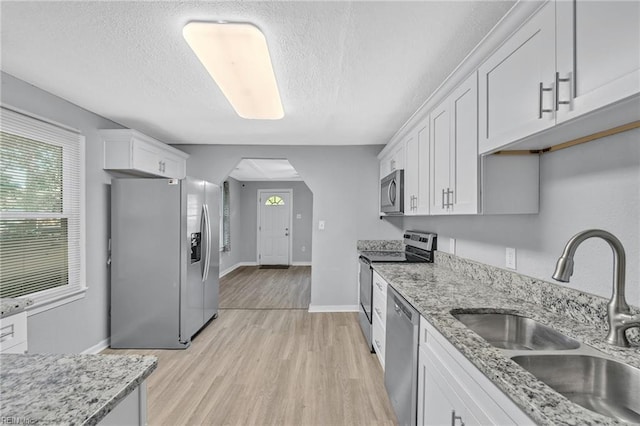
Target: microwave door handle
<point>392,192</point>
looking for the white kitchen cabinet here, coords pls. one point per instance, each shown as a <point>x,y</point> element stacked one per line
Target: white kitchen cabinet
<point>598,54</point>
<point>462,182</point>
<point>454,152</point>
<point>416,175</point>
<point>453,391</point>
<point>392,161</point>
<point>569,60</point>
<point>516,84</point>
<point>13,333</point>
<point>130,151</point>
<point>379,314</point>
<point>132,410</point>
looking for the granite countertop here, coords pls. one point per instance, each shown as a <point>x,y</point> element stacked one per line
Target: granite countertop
<point>10,306</point>
<point>68,389</point>
<point>434,290</point>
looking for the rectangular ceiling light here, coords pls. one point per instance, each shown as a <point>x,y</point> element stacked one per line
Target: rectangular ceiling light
<point>237,57</point>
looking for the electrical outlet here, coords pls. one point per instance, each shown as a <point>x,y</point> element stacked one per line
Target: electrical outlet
<point>510,258</point>
<point>298,216</point>
<point>452,245</point>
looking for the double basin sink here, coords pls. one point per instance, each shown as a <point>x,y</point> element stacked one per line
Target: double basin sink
<point>578,372</point>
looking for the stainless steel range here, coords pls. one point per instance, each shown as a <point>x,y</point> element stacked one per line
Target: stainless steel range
<point>419,247</point>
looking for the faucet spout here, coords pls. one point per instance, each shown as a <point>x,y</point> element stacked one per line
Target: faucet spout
<point>618,312</point>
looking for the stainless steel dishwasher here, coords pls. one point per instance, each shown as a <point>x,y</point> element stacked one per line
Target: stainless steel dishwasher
<point>401,357</point>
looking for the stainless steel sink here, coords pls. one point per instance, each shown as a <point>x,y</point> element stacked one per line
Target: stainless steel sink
<point>508,331</point>
<point>598,384</point>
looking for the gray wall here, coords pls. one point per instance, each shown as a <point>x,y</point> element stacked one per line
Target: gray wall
<point>344,183</point>
<point>302,228</point>
<point>81,324</point>
<point>595,185</point>
<point>229,259</point>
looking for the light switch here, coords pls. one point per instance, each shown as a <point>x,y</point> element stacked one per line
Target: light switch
<point>321,225</point>
<point>298,216</point>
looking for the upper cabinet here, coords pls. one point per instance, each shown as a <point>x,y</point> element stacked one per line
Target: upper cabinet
<point>571,58</point>
<point>454,152</point>
<point>132,152</point>
<point>416,174</point>
<point>598,54</point>
<point>516,84</point>
<point>393,161</point>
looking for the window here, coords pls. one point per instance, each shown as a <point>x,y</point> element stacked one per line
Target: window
<point>41,226</point>
<point>274,200</point>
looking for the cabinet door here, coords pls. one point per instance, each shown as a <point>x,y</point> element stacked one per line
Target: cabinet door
<point>411,174</point>
<point>172,167</point>
<point>598,52</point>
<point>440,158</point>
<point>416,171</point>
<point>464,148</point>
<point>441,404</point>
<point>146,158</point>
<point>422,193</point>
<point>516,84</point>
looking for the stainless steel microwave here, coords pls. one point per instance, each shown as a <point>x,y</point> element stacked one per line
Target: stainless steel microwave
<point>392,193</point>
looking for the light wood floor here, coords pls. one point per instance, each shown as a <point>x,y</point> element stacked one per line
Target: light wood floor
<point>270,367</point>
<point>267,361</point>
<point>250,287</point>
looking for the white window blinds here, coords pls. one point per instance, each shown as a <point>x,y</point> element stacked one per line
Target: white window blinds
<point>41,220</point>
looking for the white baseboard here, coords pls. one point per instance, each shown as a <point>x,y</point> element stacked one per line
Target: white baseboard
<point>301,264</point>
<point>97,348</point>
<point>333,308</point>
<point>236,266</point>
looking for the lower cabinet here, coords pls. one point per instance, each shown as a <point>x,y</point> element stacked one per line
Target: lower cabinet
<point>13,333</point>
<point>379,314</point>
<point>452,391</point>
<point>132,410</point>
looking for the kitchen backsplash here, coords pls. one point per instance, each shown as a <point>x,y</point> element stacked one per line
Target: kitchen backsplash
<point>582,307</point>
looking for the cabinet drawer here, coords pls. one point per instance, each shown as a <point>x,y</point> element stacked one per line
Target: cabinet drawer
<point>379,339</point>
<point>380,298</point>
<point>13,333</point>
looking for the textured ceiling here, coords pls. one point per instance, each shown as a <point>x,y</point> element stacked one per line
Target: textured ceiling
<point>349,73</point>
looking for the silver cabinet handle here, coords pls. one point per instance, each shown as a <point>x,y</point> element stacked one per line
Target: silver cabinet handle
<point>443,199</point>
<point>379,286</point>
<point>541,90</point>
<point>449,197</point>
<point>454,418</point>
<point>558,81</point>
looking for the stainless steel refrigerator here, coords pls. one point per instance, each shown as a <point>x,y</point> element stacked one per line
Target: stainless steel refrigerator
<point>164,260</point>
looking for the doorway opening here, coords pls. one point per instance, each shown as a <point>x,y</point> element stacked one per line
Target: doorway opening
<point>268,265</point>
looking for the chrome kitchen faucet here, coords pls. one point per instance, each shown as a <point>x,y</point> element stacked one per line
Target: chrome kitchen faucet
<point>619,314</point>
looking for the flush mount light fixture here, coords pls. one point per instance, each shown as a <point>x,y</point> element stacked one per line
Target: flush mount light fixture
<point>237,57</point>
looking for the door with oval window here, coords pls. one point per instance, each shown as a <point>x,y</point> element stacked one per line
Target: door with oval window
<point>274,227</point>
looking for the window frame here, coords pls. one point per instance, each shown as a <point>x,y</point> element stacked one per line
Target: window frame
<point>26,124</point>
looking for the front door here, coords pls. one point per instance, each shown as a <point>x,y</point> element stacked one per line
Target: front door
<point>274,227</point>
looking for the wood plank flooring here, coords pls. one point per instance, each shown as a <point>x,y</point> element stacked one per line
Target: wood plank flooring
<point>250,287</point>
<point>270,367</point>
<point>269,362</point>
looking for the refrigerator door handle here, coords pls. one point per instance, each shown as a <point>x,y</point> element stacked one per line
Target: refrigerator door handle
<point>207,231</point>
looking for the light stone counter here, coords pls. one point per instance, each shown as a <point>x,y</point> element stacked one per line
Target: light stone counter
<point>455,283</point>
<point>10,306</point>
<point>49,389</point>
